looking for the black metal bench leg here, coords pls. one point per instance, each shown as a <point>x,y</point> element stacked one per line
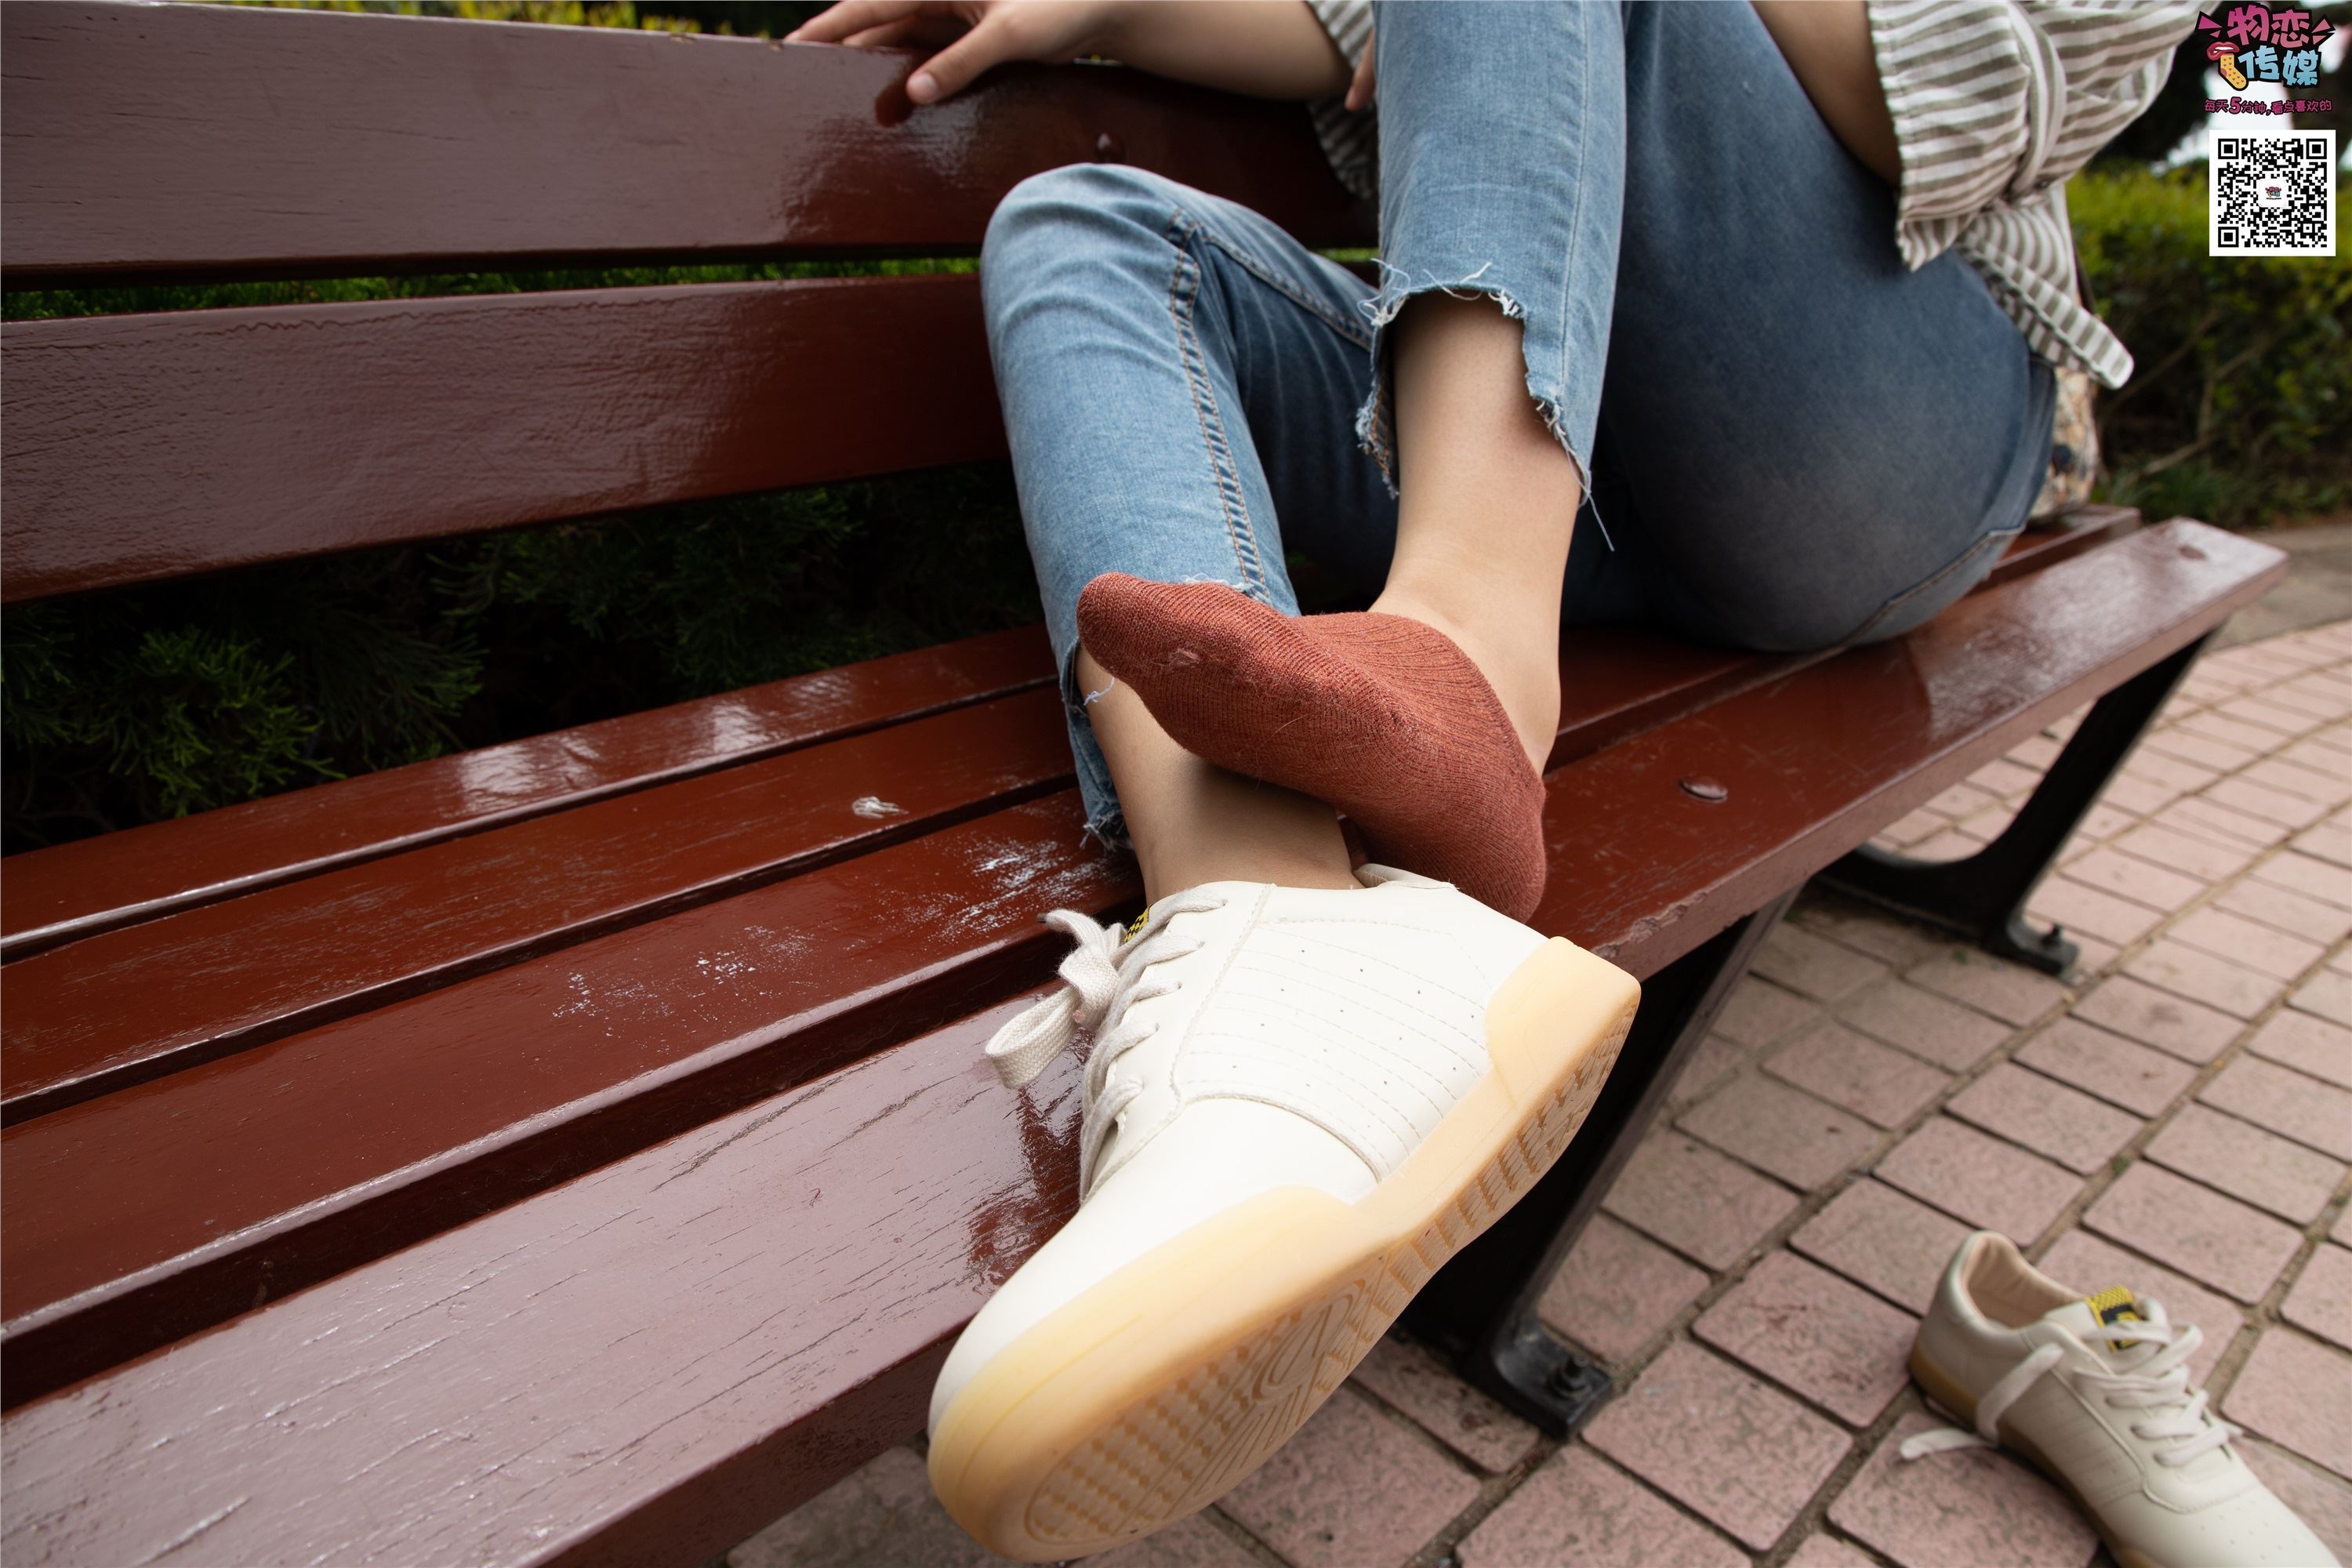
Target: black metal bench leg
<point>1482,1306</point>
<point>1982,897</point>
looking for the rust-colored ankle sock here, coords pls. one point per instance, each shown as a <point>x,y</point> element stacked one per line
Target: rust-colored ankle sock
<point>1382,716</point>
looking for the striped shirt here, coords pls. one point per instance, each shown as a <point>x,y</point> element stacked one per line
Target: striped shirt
<point>1995,103</point>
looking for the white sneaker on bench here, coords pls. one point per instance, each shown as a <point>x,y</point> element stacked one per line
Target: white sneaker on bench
<point>2095,1390</point>
<point>1300,1103</point>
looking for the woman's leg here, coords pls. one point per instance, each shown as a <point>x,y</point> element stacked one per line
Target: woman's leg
<point>1169,364</point>
<point>1501,165</point>
<point>1502,143</point>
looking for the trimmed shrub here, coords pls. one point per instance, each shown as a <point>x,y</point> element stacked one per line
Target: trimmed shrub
<point>2239,407</point>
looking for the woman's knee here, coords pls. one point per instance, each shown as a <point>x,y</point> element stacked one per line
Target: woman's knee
<point>1076,215</point>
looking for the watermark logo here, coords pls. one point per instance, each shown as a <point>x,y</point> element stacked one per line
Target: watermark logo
<point>2251,42</point>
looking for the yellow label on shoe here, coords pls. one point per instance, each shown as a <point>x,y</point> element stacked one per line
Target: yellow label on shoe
<point>1135,927</point>
<point>2113,1304</point>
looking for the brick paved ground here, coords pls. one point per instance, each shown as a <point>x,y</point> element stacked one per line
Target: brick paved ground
<point>2176,1116</point>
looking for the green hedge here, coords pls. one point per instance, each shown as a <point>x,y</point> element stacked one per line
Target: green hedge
<point>2240,408</point>
<point>125,707</point>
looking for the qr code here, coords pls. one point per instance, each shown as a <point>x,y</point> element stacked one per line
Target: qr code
<point>2275,195</point>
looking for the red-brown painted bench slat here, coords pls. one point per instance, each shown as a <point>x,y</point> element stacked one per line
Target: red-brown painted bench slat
<point>297,955</point>
<point>185,140</point>
<point>99,884</point>
<point>755,1303</point>
<point>139,1213</point>
<point>289,957</point>
<point>717,1285</point>
<point>144,447</point>
<point>1865,736</point>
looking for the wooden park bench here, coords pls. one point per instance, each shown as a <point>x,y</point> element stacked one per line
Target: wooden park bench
<point>580,1149</point>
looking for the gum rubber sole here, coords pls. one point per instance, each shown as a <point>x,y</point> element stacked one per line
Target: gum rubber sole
<point>1945,1390</point>
<point>1151,1395</point>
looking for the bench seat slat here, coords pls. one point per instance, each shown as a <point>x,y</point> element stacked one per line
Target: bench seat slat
<point>98,884</point>
<point>84,1018</point>
<point>370,1131</point>
<point>1866,736</point>
<point>198,140</point>
<point>713,1281</point>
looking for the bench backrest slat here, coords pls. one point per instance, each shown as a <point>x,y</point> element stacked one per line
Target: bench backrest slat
<point>151,446</point>
<point>179,141</point>
<point>189,141</point>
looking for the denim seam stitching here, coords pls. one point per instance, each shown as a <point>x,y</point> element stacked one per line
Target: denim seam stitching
<point>1575,226</point>
<point>1244,539</point>
<point>1283,286</point>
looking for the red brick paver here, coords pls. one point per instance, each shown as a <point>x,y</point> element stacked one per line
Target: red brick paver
<point>2322,1298</point>
<point>2206,1235</point>
<point>1780,1131</point>
<point>2107,1065</point>
<point>1876,1237</point>
<point>2203,977</point>
<point>1704,1204</point>
<point>1424,1387</point>
<point>1928,1027</point>
<point>1981,1179</point>
<point>1959,1509</point>
<point>1617,1290</point>
<point>1742,1454</point>
<point>1811,1332</point>
<point>2308,1044</point>
<point>1580,1508</point>
<point>2009,992</point>
<point>2237,1157</point>
<point>1814,966</point>
<point>1351,1487</point>
<point>2286,1101</point>
<point>2295,1390</point>
<point>2151,1017</point>
<point>1759,1013</point>
<point>2045,1116</point>
<point>1876,1083</point>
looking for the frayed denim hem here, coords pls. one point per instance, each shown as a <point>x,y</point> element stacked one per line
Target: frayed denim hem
<point>1375,430</point>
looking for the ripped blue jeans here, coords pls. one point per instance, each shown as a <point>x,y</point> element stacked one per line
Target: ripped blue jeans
<point>1791,442</point>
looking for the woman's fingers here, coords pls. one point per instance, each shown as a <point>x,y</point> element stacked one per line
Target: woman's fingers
<point>906,30</point>
<point>836,24</point>
<point>1359,90</point>
<point>994,39</point>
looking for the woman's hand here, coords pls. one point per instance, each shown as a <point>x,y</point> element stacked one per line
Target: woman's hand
<point>1269,48</point>
<point>977,33</point>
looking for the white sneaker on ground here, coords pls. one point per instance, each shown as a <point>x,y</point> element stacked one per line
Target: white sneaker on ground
<point>2095,1390</point>
<point>1299,1104</point>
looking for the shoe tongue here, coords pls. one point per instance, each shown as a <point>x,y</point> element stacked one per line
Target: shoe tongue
<point>2083,1318</point>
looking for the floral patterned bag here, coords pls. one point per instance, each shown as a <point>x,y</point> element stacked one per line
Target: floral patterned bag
<point>2073,450</point>
<point>2074,434</point>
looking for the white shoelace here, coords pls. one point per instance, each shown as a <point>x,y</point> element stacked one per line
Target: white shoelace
<point>1104,978</point>
<point>2160,1383</point>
